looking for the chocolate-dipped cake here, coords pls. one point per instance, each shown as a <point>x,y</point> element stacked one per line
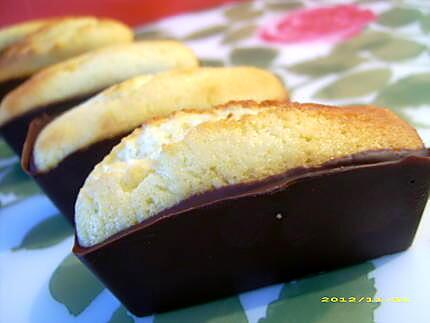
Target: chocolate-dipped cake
<point>203,204</point>
<point>66,149</point>
<point>32,47</point>
<point>12,34</point>
<point>63,85</point>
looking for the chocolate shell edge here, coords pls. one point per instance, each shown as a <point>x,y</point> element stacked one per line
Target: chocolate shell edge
<point>310,221</point>
<point>62,183</point>
<point>15,131</point>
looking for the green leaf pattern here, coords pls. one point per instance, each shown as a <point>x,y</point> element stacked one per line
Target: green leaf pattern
<point>398,17</point>
<point>333,63</point>
<point>356,84</point>
<point>367,40</point>
<point>14,182</point>
<point>256,56</point>
<point>409,91</point>
<point>5,151</point>
<point>205,32</point>
<point>121,316</point>
<point>73,285</point>
<point>242,11</point>
<point>301,301</point>
<point>425,23</point>
<point>238,34</point>
<point>47,233</point>
<point>398,49</point>
<point>283,5</point>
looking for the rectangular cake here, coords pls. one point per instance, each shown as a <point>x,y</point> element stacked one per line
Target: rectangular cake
<point>204,204</point>
<point>67,148</point>
<point>62,86</point>
<point>28,48</point>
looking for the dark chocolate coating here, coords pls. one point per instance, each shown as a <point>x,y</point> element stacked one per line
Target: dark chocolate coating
<point>62,183</point>
<point>7,86</point>
<point>15,131</point>
<point>303,222</point>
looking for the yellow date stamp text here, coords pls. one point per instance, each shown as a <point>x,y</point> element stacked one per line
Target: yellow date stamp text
<point>363,299</point>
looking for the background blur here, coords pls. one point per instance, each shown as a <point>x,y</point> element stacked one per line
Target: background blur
<point>132,12</point>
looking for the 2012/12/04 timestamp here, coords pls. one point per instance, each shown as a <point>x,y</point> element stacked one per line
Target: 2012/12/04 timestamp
<point>363,299</point>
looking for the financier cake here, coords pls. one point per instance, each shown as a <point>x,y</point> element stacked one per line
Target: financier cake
<point>61,86</point>
<point>13,33</point>
<point>67,148</point>
<point>28,47</point>
<point>204,203</point>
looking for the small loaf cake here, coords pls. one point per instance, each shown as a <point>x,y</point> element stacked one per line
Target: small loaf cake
<point>59,40</point>
<point>61,86</point>
<point>11,35</point>
<point>29,47</point>
<point>67,148</point>
<point>125,106</point>
<point>14,33</point>
<point>170,159</point>
<point>219,202</point>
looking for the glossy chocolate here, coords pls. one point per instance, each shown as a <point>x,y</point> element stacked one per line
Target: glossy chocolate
<point>15,131</point>
<point>62,183</point>
<point>243,237</point>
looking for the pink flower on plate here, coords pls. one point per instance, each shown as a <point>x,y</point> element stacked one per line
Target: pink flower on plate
<point>329,24</point>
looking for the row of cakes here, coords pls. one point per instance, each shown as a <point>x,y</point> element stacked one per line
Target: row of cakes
<point>189,183</point>
<point>93,86</point>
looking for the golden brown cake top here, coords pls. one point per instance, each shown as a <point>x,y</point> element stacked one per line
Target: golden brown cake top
<point>94,71</point>
<point>14,33</point>
<point>57,41</point>
<point>125,106</point>
<point>168,160</point>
